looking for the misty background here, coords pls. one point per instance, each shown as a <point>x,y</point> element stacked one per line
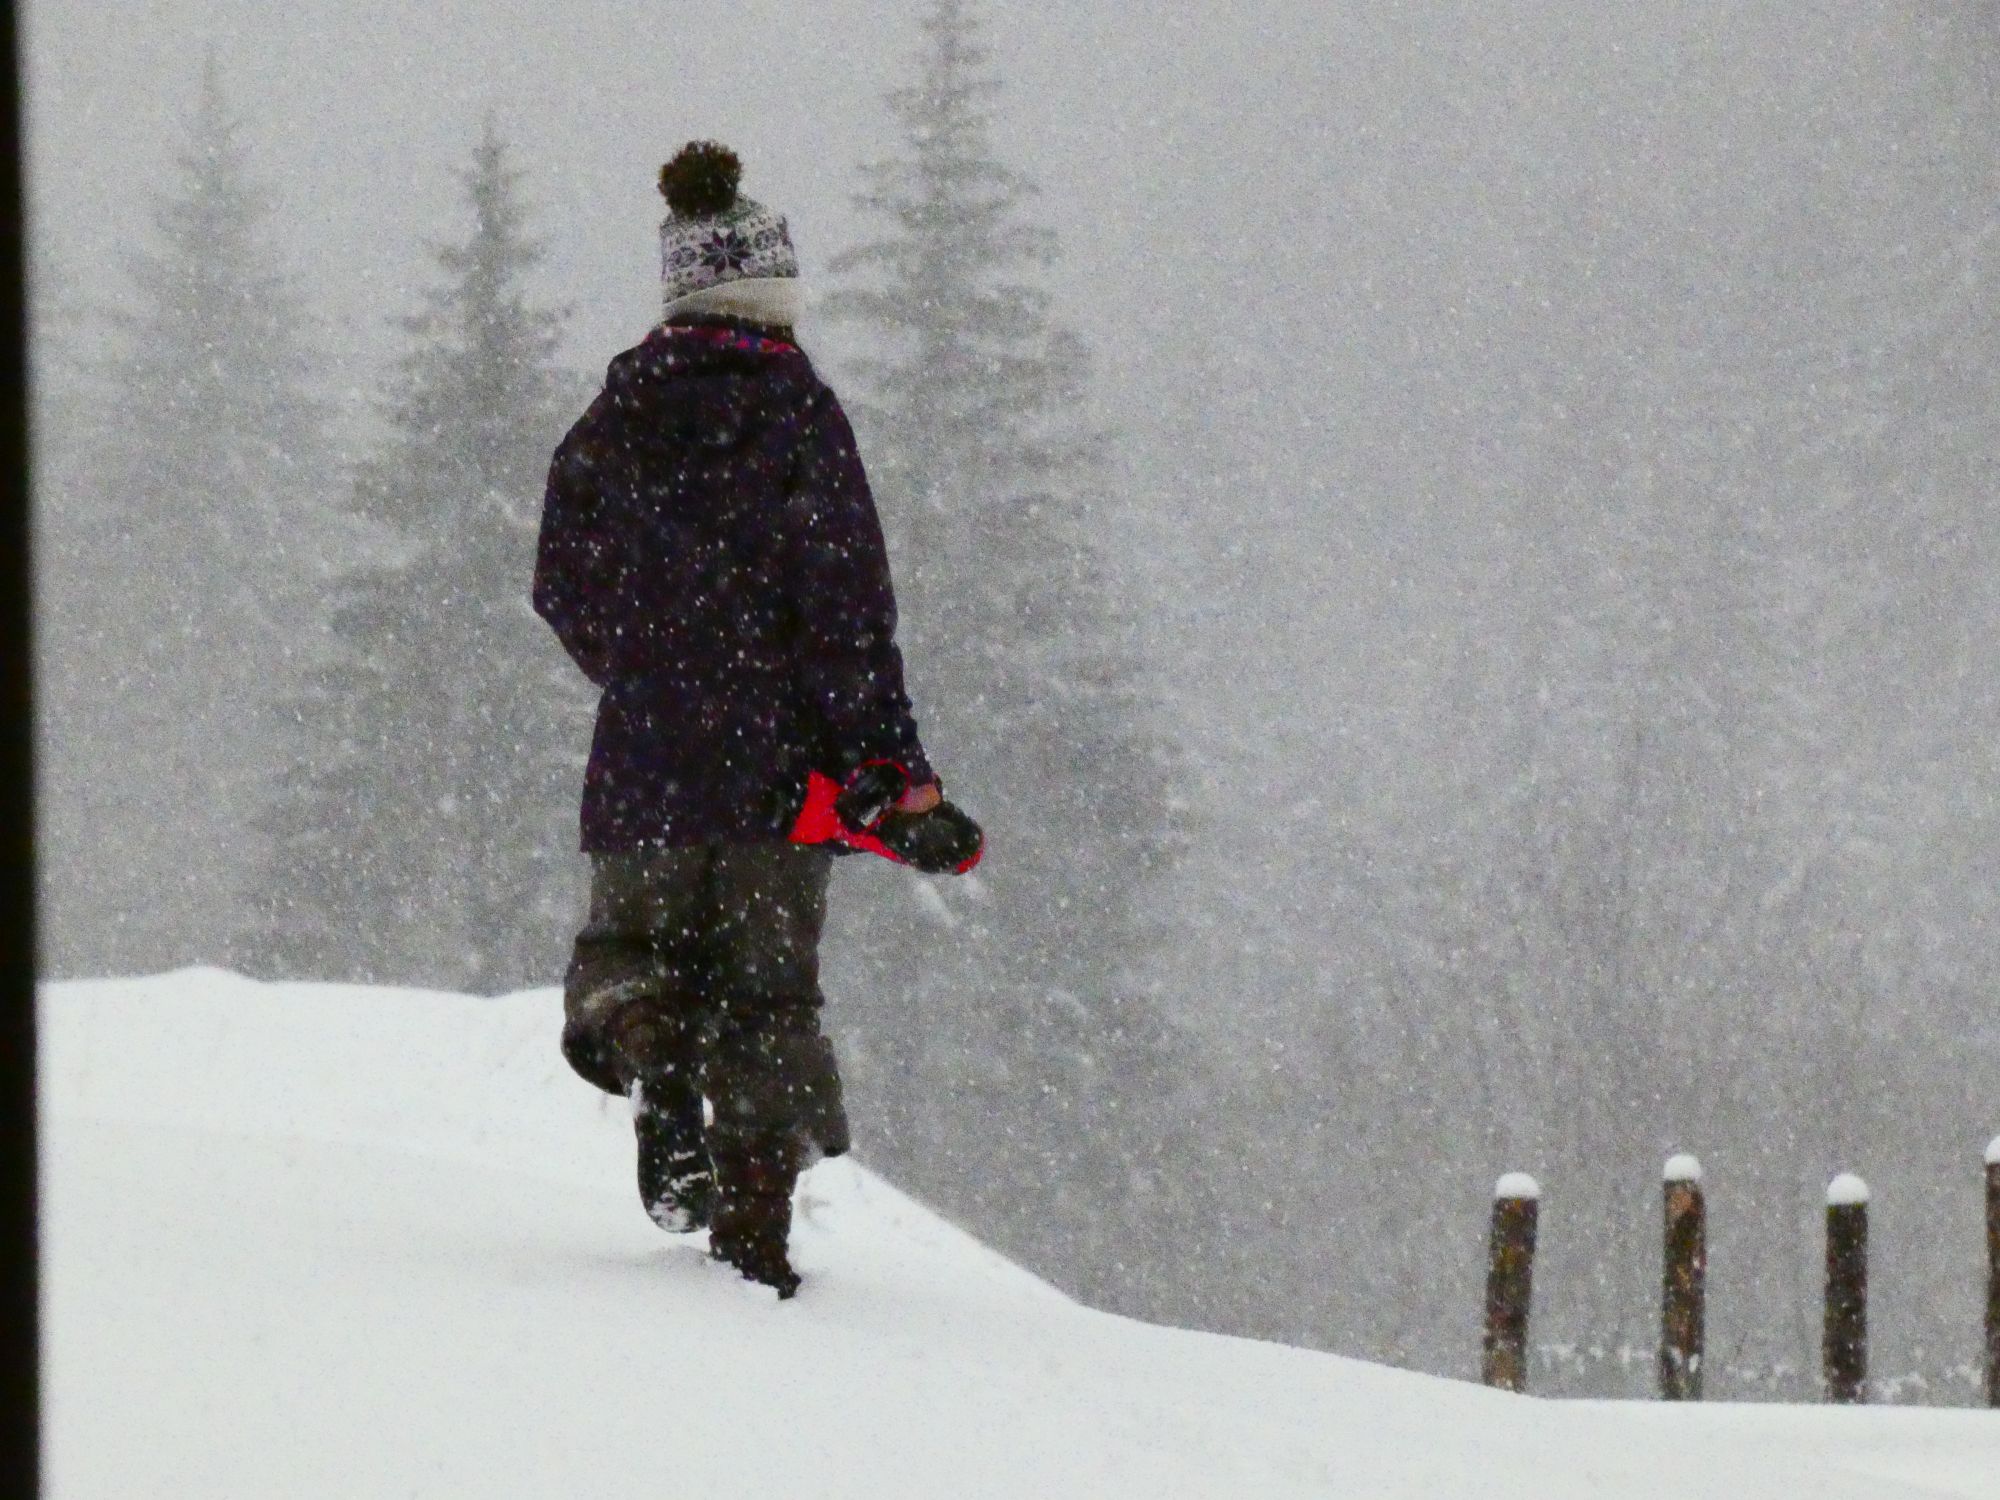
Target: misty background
<point>1514,691</point>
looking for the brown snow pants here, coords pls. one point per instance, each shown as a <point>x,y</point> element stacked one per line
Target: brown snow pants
<point>700,964</point>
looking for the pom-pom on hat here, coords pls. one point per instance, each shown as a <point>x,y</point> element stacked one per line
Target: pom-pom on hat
<point>719,250</point>
<point>701,180</point>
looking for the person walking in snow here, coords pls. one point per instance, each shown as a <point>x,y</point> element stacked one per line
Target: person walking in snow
<point>710,557</point>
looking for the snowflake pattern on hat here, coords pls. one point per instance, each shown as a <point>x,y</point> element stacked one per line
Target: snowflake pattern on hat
<point>726,252</point>
<point>747,242</point>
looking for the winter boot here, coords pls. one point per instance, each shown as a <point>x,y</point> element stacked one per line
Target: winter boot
<point>676,1184</point>
<point>750,1227</point>
<point>657,1054</point>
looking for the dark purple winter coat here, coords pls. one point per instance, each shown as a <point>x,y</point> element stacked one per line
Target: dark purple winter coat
<point>711,558</point>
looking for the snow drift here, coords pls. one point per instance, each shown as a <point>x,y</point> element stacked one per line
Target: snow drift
<point>318,1240</point>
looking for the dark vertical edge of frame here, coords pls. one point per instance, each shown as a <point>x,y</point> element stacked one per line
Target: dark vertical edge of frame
<point>1993,1273</point>
<point>20,1449</point>
<point>1510,1282</point>
<point>1683,1281</point>
<point>1844,1348</point>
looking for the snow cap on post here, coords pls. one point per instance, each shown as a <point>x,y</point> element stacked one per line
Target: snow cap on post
<point>1518,1185</point>
<point>1683,1168</point>
<point>1993,1152</point>
<point>1845,1191</point>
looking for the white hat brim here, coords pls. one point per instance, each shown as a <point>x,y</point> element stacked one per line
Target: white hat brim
<point>776,300</point>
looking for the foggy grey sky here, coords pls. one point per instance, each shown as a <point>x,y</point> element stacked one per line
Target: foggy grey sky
<point>1181,159</point>
<point>1207,170</point>
<point>1305,240</point>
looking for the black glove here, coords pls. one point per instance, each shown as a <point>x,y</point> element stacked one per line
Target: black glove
<point>869,793</point>
<point>943,841</point>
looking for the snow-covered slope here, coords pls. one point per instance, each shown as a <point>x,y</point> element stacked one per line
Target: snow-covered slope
<point>310,1240</point>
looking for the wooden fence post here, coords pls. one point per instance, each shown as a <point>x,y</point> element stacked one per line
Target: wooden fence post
<point>1683,1282</point>
<point>1993,1272</point>
<point>1844,1349</point>
<point>1510,1268</point>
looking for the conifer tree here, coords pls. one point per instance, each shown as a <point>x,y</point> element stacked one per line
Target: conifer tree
<point>1009,1034</point>
<point>181,578</point>
<point>428,833</point>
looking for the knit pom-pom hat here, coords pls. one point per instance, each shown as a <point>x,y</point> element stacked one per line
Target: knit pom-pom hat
<point>721,252</point>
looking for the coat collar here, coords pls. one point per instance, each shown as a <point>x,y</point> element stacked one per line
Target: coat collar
<point>729,331</point>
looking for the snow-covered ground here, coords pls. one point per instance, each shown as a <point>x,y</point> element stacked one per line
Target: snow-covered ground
<point>316,1240</point>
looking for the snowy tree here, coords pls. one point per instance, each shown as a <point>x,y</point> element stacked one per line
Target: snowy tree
<point>427,833</point>
<point>184,549</point>
<point>1011,1031</point>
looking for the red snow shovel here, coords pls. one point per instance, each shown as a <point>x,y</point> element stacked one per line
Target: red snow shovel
<point>862,815</point>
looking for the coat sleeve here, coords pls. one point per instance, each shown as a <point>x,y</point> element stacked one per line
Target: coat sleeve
<point>577,560</point>
<point>838,579</point>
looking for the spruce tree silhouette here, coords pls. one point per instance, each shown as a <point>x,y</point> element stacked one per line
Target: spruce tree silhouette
<point>428,833</point>
<point>182,576</point>
<point>1010,1048</point>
